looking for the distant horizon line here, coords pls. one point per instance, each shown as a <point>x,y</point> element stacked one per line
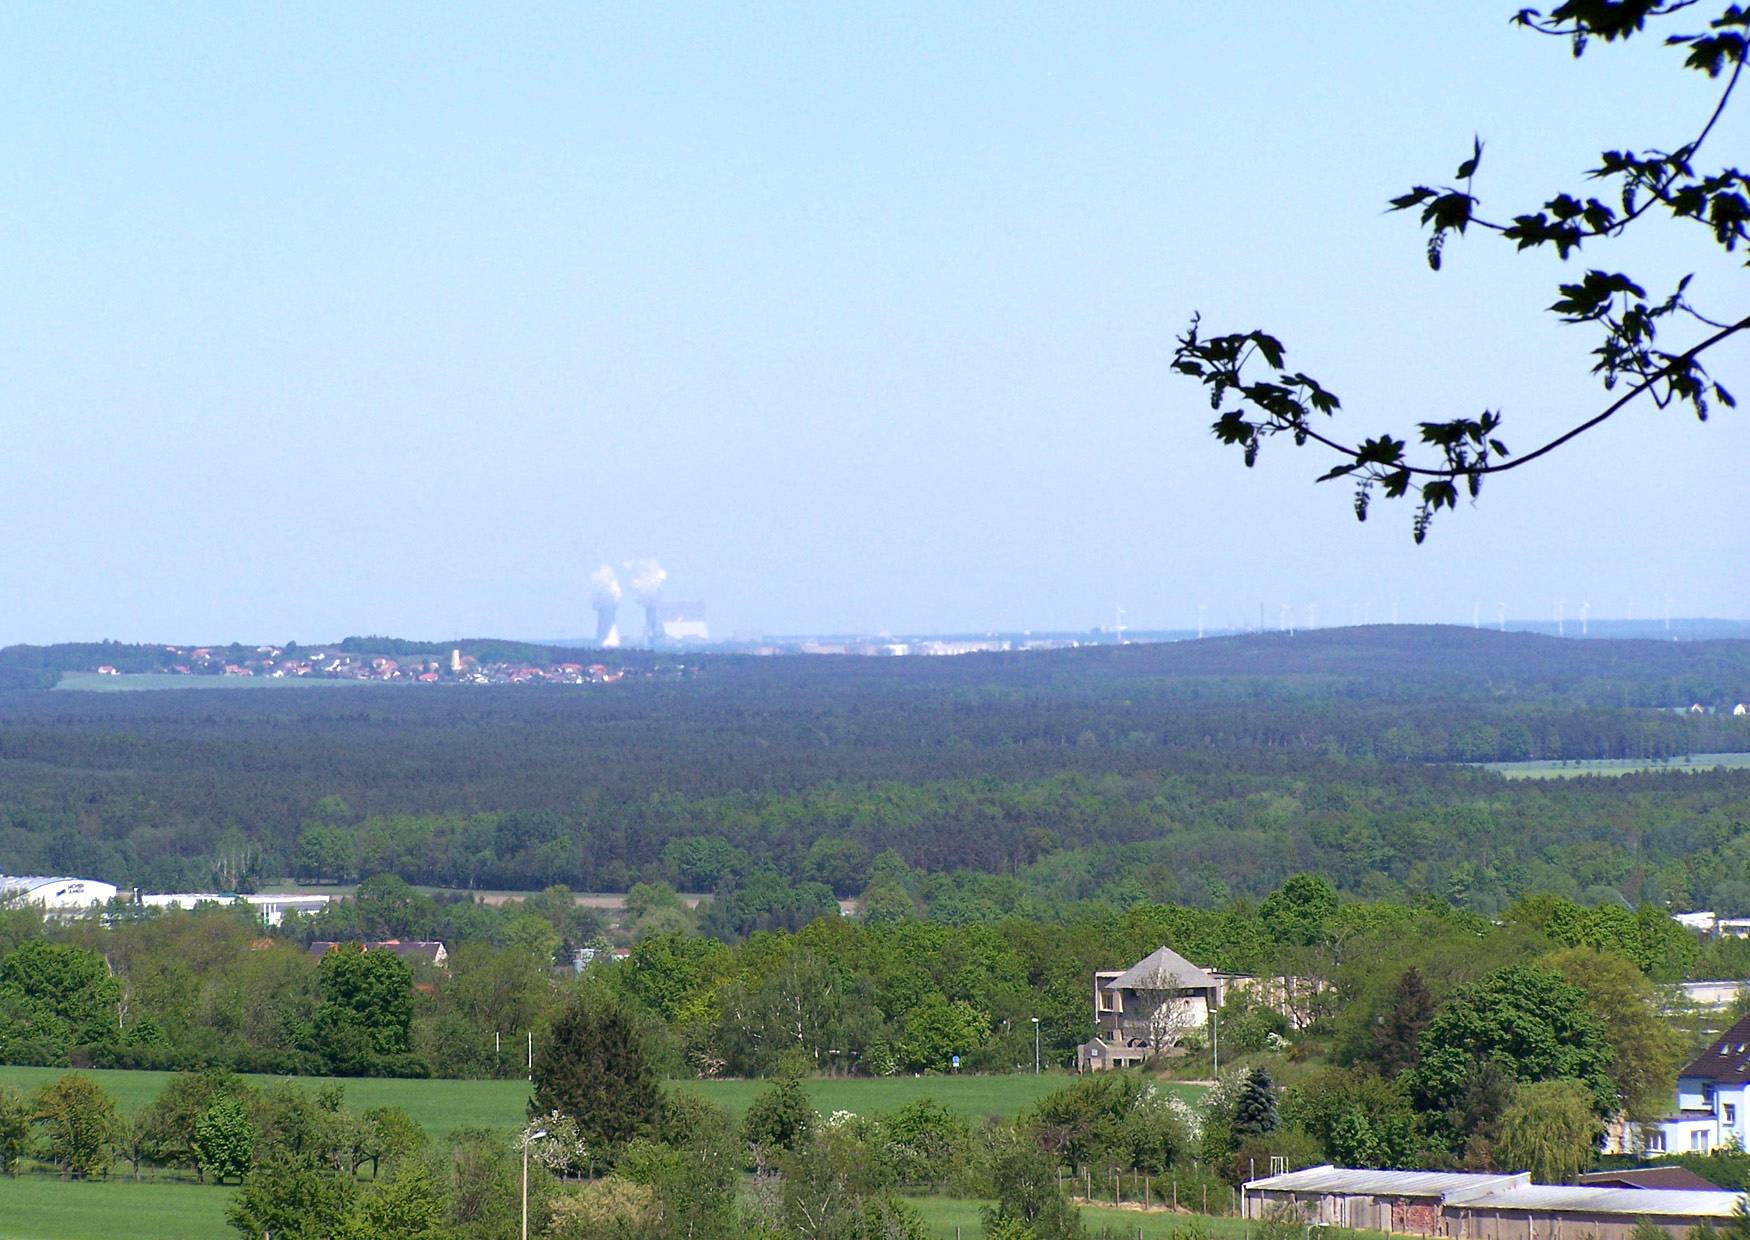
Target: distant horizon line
<point>1575,629</point>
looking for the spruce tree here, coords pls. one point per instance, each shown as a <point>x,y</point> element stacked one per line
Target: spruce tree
<point>593,1067</point>
<point>1255,1107</point>
<point>1407,1013</point>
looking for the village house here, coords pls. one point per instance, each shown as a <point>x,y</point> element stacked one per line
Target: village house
<point>413,951</point>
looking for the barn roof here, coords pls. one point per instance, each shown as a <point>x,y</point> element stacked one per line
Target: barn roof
<point>1599,1199</point>
<point>1363,1182</point>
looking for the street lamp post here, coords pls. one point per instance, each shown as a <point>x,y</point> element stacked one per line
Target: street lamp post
<point>527,1138</point>
<point>1035,1046</point>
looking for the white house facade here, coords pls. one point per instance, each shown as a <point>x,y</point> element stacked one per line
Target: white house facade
<point>1711,1102</point>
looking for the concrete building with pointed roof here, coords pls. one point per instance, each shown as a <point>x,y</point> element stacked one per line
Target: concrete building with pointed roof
<point>1152,1007</point>
<point>1147,1009</point>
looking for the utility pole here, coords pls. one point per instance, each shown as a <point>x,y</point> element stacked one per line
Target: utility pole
<point>1035,1046</point>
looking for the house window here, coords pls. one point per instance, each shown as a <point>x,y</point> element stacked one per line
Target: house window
<point>1698,1140</point>
<point>1731,1115</point>
<point>1655,1143</point>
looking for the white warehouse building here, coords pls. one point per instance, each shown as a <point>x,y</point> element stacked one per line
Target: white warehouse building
<point>272,909</point>
<point>59,895</point>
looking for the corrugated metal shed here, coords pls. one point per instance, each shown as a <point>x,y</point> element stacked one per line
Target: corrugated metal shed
<point>1591,1199</point>
<point>1363,1183</point>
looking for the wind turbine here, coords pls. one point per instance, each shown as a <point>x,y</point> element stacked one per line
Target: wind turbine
<point>1585,611</point>
<point>1501,616</point>
<point>1561,606</point>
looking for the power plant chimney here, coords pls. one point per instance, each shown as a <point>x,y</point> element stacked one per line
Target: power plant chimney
<point>604,596</point>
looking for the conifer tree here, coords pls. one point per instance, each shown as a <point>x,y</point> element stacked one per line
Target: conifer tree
<point>1400,1026</point>
<point>593,1067</point>
<point>1255,1107</point>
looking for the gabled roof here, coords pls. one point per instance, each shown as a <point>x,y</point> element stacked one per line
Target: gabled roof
<point>1162,970</point>
<point>1728,1059</point>
<point>1649,1177</point>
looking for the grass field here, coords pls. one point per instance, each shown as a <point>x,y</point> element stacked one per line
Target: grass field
<point>1619,766</point>
<point>441,1106</point>
<point>41,1207</point>
<point>943,1214</point>
<point>44,1208</point>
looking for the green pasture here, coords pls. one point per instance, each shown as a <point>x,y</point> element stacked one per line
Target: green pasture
<point>442,1106</point>
<point>943,1215</point>
<point>42,1207</point>
<point>1619,766</point>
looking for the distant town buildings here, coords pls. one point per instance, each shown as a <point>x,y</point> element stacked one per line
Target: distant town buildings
<point>330,663</point>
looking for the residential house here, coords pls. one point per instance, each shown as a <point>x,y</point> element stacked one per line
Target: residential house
<point>1649,1177</point>
<point>413,951</point>
<point>1711,1100</point>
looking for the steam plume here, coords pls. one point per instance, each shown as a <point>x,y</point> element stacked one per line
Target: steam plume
<point>604,594</point>
<point>646,577</point>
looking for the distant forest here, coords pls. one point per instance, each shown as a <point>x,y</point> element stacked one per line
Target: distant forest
<point>1187,772</point>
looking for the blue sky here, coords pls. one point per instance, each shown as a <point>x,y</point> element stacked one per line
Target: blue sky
<point>405,318</point>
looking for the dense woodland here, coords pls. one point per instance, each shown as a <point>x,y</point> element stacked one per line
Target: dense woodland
<point>1493,962</point>
<point>1175,773</point>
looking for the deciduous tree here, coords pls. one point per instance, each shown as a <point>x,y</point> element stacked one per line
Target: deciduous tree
<point>78,1122</point>
<point>1551,1130</point>
<point>1651,343</point>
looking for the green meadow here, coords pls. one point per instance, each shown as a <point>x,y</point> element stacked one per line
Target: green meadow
<point>440,1106</point>
<point>40,1207</point>
<point>1619,766</point>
